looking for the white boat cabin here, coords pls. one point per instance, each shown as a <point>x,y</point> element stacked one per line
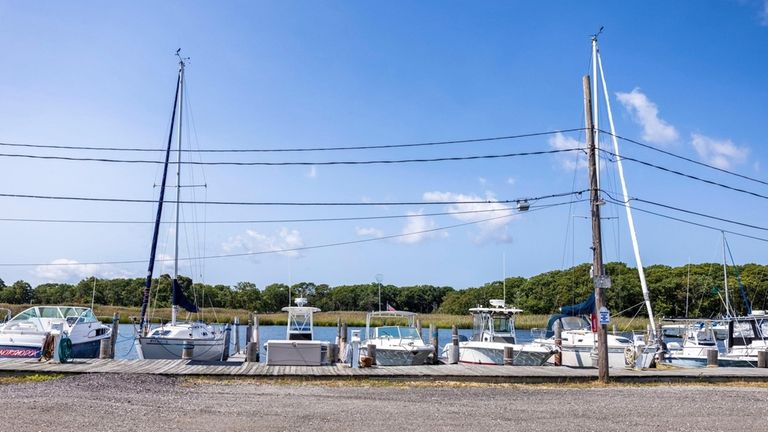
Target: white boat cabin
<point>495,323</point>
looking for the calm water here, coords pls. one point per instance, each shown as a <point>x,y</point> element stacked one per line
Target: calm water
<point>125,349</point>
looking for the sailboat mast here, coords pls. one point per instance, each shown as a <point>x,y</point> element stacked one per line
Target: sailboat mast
<point>725,281</point>
<point>174,307</point>
<point>153,249</point>
<point>595,116</point>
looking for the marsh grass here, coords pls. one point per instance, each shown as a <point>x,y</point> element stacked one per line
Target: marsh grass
<point>28,378</point>
<point>325,319</point>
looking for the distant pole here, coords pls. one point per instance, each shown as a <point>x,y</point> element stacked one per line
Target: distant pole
<point>597,245</point>
<point>379,278</point>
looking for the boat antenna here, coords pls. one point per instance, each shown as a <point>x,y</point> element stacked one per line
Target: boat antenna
<point>599,32</point>
<point>93,293</point>
<point>379,278</point>
<point>504,276</point>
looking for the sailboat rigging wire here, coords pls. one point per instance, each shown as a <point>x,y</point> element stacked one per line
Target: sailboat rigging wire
<point>679,173</point>
<point>308,204</point>
<point>303,149</point>
<point>668,153</point>
<point>320,163</point>
<point>296,249</point>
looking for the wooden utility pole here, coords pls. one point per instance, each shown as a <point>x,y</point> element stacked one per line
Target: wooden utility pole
<point>597,249</point>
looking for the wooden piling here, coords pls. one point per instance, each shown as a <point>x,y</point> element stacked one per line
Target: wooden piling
<point>509,356</point>
<point>434,341</point>
<point>558,344</point>
<point>105,348</point>
<point>187,351</point>
<point>252,352</point>
<point>453,354</point>
<point>712,357</point>
<point>762,359</point>
<point>343,343</point>
<point>113,336</point>
<point>227,340</point>
<point>248,332</point>
<point>371,349</point>
<point>236,324</point>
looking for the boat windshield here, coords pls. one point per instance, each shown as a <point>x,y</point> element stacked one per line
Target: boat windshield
<point>409,333</point>
<point>502,325</point>
<point>391,332</point>
<point>574,323</point>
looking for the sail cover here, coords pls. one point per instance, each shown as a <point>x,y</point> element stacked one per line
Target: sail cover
<point>178,298</point>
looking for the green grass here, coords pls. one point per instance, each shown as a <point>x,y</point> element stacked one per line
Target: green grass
<point>352,318</point>
<point>27,378</point>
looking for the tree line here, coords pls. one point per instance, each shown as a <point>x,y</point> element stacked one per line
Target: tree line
<point>697,289</point>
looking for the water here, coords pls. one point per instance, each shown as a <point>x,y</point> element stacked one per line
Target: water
<point>124,348</point>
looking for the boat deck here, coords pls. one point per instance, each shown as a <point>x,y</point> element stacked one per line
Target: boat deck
<point>511,374</point>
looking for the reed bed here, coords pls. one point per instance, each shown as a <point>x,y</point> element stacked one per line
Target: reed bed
<point>352,318</point>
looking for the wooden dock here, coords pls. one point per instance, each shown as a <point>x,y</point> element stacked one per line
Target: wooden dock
<point>505,374</point>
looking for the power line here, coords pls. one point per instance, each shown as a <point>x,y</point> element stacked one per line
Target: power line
<point>263,221</point>
<point>296,249</point>
<point>692,223</point>
<point>318,163</point>
<point>668,153</point>
<point>300,149</point>
<point>682,174</point>
<point>682,210</point>
<point>307,204</point>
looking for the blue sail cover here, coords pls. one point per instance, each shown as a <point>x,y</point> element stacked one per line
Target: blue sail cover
<point>587,307</point>
<point>178,298</point>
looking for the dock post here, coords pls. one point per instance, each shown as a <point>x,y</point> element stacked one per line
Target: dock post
<point>453,354</point>
<point>712,357</point>
<point>434,341</point>
<point>762,359</point>
<point>227,342</point>
<point>187,351</point>
<point>104,348</point>
<point>248,332</point>
<point>236,321</point>
<point>509,356</point>
<point>343,344</point>
<point>371,350</point>
<point>558,344</point>
<point>251,352</point>
<point>418,329</point>
<point>113,336</point>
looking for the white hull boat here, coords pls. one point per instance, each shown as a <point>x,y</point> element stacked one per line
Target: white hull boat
<point>395,345</point>
<point>299,348</point>
<point>168,342</point>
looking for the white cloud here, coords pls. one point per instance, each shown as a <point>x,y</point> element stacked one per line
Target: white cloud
<point>720,153</point>
<point>67,270</point>
<point>312,173</point>
<point>252,241</point>
<point>369,232</point>
<point>570,160</point>
<point>511,181</point>
<point>414,229</point>
<point>645,113</point>
<point>494,230</point>
<point>482,180</point>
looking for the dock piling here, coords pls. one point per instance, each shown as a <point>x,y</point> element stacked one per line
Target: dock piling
<point>762,359</point>
<point>104,348</point>
<point>712,357</point>
<point>236,324</point>
<point>453,354</point>
<point>434,341</point>
<point>509,356</point>
<point>558,344</point>
<point>227,340</point>
<point>187,351</point>
<point>371,349</point>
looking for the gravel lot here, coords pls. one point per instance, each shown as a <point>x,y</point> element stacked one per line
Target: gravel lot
<point>101,402</point>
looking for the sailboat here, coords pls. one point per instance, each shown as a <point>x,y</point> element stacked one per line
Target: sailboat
<point>169,340</point>
<point>581,340</point>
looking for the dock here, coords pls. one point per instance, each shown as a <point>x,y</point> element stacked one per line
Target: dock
<point>458,372</point>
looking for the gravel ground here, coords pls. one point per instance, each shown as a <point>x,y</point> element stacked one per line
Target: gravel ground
<point>102,402</point>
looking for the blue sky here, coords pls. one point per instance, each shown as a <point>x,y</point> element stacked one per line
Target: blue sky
<point>687,77</point>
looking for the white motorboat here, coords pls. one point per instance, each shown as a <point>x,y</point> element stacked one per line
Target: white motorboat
<point>168,341</point>
<point>395,345</point>
<point>299,348</point>
<point>746,337</point>
<point>494,330</point>
<point>25,335</point>
<point>579,346</point>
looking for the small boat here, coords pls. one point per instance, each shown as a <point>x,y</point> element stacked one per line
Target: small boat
<point>395,345</point>
<point>494,330</point>
<point>168,341</point>
<point>299,348</point>
<point>25,335</point>
<point>746,337</point>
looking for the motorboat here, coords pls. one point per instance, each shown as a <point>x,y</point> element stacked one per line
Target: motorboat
<point>746,337</point>
<point>493,331</point>
<point>26,334</point>
<point>395,345</point>
<point>299,348</point>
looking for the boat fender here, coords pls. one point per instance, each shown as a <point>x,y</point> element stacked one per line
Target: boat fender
<point>65,349</point>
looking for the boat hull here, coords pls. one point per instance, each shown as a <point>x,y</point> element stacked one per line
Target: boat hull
<point>488,354</point>
<point>155,348</point>
<point>412,356</point>
<point>586,357</point>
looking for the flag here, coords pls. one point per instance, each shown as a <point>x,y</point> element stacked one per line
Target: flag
<point>390,308</point>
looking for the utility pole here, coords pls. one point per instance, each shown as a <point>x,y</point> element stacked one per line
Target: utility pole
<point>597,249</point>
